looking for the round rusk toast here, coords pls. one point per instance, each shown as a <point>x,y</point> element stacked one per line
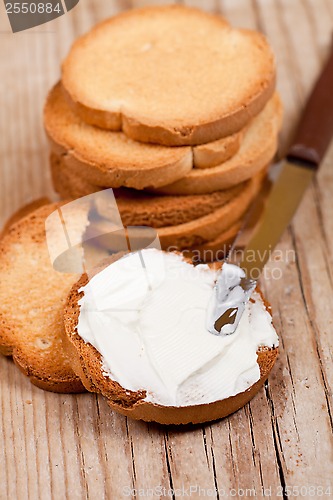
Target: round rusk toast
<point>200,230</point>
<point>90,154</point>
<point>32,296</point>
<point>139,404</point>
<point>122,160</point>
<point>169,75</point>
<point>182,222</point>
<point>141,207</point>
<point>257,149</point>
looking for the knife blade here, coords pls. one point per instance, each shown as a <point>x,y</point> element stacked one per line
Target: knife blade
<point>281,195</point>
<point>280,204</point>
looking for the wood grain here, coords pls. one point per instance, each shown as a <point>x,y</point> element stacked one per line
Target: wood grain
<point>57,446</point>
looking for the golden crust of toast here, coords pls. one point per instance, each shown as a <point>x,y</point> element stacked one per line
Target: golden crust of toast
<point>32,296</point>
<point>140,208</point>
<point>101,160</point>
<point>257,149</point>
<point>169,75</point>
<point>182,222</point>
<point>124,161</point>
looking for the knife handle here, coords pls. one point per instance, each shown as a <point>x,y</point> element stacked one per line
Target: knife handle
<point>315,129</point>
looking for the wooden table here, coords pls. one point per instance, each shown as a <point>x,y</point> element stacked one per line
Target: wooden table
<point>58,446</point>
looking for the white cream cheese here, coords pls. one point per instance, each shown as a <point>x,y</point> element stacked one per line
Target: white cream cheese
<point>230,297</point>
<point>146,315</point>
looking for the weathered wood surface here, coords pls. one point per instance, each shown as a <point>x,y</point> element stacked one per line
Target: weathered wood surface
<point>56,446</point>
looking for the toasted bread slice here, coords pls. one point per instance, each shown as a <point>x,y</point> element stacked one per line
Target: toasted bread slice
<point>67,183</point>
<point>110,158</point>
<point>217,152</point>
<point>258,146</point>
<point>120,160</point>
<point>218,248</point>
<point>257,149</point>
<point>182,222</point>
<point>139,208</point>
<point>150,210</point>
<point>87,363</point>
<point>154,212</point>
<point>170,75</point>
<point>31,327</point>
<point>215,250</point>
<point>198,231</point>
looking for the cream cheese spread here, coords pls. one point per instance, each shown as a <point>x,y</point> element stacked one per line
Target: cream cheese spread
<point>146,314</point>
<point>230,298</point>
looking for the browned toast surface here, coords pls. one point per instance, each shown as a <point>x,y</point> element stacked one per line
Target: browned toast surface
<point>111,156</point>
<point>257,149</point>
<point>170,75</point>
<point>110,159</point>
<point>32,296</point>
<point>141,207</point>
<point>121,159</point>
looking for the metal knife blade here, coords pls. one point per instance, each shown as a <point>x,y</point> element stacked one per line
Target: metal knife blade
<point>281,197</point>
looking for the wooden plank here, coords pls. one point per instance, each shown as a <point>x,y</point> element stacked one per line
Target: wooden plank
<point>316,254</point>
<point>239,13</point>
<point>311,430</point>
<point>207,5</point>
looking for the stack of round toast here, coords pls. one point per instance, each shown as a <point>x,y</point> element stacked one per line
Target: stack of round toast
<point>177,112</point>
